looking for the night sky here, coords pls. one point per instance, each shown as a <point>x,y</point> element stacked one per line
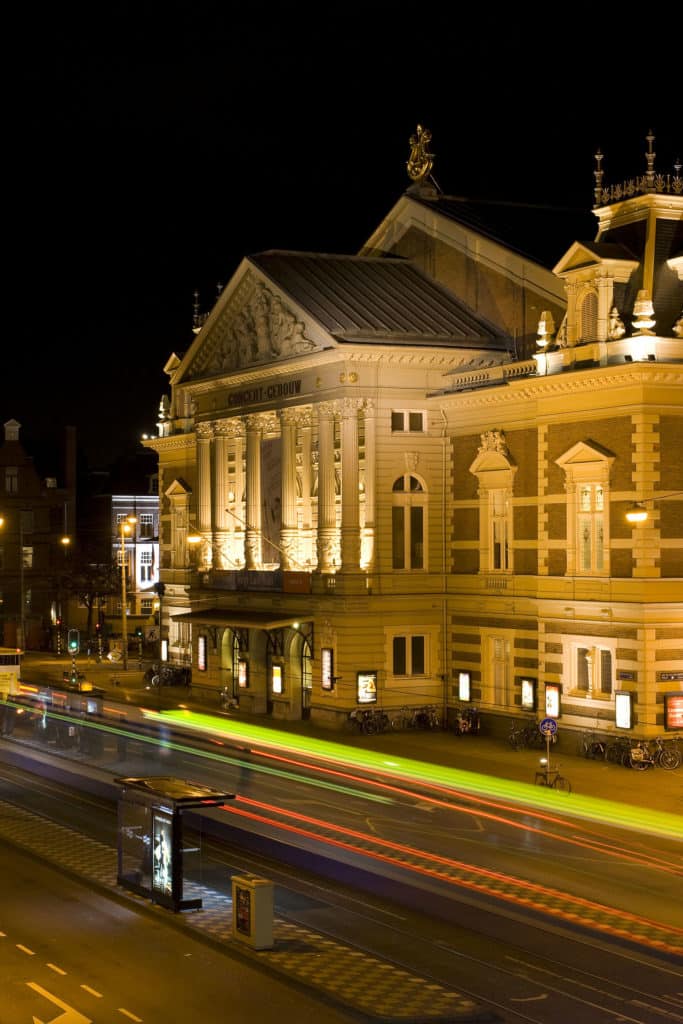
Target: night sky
<point>150,148</point>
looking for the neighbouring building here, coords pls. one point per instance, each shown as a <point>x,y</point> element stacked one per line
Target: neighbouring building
<point>408,470</point>
<point>38,511</point>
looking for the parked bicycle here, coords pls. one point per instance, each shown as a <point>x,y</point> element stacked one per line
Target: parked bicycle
<point>427,717</point>
<point>549,775</point>
<point>369,720</point>
<point>527,734</point>
<point>593,747</point>
<point>466,721</point>
<point>667,753</point>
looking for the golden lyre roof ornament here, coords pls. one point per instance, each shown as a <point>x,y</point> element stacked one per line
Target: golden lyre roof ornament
<point>651,181</point>
<point>420,161</point>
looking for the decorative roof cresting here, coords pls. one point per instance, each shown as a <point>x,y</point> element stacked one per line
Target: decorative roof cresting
<point>651,181</point>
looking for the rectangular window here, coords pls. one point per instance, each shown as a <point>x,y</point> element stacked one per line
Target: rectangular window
<point>403,420</point>
<point>498,517</point>
<point>416,537</point>
<point>591,528</point>
<point>409,655</point>
<point>12,480</point>
<point>146,566</point>
<point>146,606</point>
<point>592,671</point>
<point>146,520</point>
<point>398,537</point>
<point>27,557</point>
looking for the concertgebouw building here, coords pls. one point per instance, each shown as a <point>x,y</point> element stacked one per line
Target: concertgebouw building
<point>407,471</point>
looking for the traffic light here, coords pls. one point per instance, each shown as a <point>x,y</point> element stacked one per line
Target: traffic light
<point>74,641</point>
<point>138,632</point>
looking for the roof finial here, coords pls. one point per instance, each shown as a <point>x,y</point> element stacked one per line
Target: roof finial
<point>420,161</point>
<point>598,174</point>
<point>650,157</point>
<point>196,315</point>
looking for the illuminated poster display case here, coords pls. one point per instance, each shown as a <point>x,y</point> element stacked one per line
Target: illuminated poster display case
<point>201,654</point>
<point>623,709</point>
<point>673,711</point>
<point>552,700</point>
<point>464,685</point>
<point>327,668</point>
<point>529,694</point>
<point>366,687</point>
<point>243,674</point>
<point>277,678</point>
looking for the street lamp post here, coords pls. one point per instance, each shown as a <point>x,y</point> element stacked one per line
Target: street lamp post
<point>126,527</point>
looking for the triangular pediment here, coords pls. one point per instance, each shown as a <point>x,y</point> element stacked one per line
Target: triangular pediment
<point>252,323</point>
<point>585,453</point>
<point>177,489</point>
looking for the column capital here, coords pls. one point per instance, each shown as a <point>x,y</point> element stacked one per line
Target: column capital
<point>229,428</point>
<point>204,431</point>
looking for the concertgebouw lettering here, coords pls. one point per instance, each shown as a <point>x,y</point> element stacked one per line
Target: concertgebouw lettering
<point>283,389</point>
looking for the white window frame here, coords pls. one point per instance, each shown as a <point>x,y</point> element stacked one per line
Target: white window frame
<point>146,564</point>
<point>495,471</point>
<point>407,499</point>
<point>429,636</point>
<point>590,649</point>
<point>406,427</point>
<point>585,466</point>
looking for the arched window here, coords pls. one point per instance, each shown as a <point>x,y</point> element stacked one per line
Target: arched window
<point>408,527</point>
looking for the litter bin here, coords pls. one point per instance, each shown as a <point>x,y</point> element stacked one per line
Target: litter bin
<point>252,911</point>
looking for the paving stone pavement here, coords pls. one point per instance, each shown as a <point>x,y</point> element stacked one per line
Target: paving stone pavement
<point>338,972</point>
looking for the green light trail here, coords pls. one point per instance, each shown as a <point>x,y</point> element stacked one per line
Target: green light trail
<point>582,806</point>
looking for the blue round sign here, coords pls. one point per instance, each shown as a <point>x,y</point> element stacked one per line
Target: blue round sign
<point>548,726</point>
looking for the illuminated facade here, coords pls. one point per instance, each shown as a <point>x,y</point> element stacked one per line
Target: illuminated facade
<point>407,470</point>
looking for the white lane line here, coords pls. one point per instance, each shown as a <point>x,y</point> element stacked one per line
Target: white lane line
<point>25,949</point>
<point>92,991</point>
<point>57,970</point>
<point>131,1016</point>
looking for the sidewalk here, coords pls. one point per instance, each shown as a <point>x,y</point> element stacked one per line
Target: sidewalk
<point>656,789</point>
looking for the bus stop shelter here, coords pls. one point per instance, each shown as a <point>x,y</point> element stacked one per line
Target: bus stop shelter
<point>150,845</point>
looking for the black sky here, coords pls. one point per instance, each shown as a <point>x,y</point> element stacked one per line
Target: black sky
<point>151,147</point>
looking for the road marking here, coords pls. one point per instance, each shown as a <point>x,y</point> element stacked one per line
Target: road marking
<point>58,970</point>
<point>70,1015</point>
<point>131,1016</point>
<point>25,949</point>
<point>92,991</point>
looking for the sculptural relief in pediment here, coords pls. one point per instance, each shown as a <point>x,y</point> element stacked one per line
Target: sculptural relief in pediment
<point>256,326</point>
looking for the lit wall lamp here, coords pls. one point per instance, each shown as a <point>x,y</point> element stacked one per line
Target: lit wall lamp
<point>638,511</point>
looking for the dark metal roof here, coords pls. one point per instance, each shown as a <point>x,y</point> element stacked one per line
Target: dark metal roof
<point>382,301</point>
<point>541,232</point>
<point>179,792</point>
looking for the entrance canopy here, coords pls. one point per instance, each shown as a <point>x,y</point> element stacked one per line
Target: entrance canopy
<point>243,618</point>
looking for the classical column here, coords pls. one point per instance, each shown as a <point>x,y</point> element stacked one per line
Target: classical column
<point>204,434</point>
<point>368,542</point>
<point>288,528</point>
<point>306,469</point>
<point>350,519</point>
<point>327,518</point>
<point>220,477</point>
<point>253,503</point>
